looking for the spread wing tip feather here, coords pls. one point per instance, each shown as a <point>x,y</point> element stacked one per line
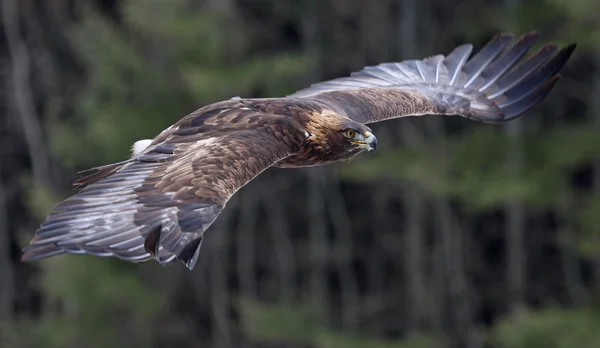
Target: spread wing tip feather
<point>535,86</point>
<point>33,253</point>
<point>499,84</point>
<point>188,255</point>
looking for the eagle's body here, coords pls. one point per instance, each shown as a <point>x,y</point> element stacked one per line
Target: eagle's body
<point>158,203</point>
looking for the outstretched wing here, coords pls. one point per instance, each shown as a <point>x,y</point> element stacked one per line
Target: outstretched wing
<point>490,87</point>
<point>159,204</point>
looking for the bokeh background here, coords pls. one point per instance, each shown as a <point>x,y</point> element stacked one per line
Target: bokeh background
<point>454,234</point>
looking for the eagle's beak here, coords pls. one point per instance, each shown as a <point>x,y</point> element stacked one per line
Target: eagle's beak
<point>371,140</point>
<point>368,142</point>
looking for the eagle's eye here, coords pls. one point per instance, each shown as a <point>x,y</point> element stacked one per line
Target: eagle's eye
<point>349,133</point>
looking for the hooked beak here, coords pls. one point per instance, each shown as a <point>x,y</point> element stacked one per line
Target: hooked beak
<point>369,142</point>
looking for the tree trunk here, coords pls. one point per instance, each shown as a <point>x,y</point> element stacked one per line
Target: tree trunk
<point>343,252</point>
<point>515,213</point>
<point>414,258</point>
<point>7,283</point>
<point>318,245</point>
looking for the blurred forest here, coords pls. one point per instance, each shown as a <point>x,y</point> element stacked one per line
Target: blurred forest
<point>454,234</point>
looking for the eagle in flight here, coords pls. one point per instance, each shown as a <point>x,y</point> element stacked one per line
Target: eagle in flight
<point>158,203</point>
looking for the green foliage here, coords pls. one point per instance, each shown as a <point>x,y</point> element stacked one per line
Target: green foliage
<point>90,302</point>
<point>550,328</point>
<point>128,98</point>
<point>582,19</point>
<point>171,61</point>
<point>586,234</point>
<point>40,199</point>
<point>477,174</point>
<point>260,321</point>
<point>334,340</point>
<point>562,20</point>
<point>299,323</point>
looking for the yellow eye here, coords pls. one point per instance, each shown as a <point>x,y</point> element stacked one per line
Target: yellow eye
<point>349,133</point>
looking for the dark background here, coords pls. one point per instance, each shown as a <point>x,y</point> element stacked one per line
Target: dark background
<point>454,234</point>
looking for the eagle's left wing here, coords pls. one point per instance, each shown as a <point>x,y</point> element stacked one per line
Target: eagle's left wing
<point>159,204</point>
<point>492,86</point>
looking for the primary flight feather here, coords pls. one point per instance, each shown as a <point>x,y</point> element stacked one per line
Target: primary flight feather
<point>158,204</point>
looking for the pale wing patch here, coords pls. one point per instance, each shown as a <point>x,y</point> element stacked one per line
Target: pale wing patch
<point>140,146</point>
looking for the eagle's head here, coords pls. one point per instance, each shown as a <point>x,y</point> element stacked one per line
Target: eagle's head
<point>332,137</point>
<point>352,139</point>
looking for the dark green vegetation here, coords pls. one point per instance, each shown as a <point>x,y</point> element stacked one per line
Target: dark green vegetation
<point>454,234</point>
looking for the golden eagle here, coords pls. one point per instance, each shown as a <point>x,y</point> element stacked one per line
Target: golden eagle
<point>158,203</point>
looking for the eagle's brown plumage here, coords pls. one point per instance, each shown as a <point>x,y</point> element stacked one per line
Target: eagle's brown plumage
<point>158,203</point>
